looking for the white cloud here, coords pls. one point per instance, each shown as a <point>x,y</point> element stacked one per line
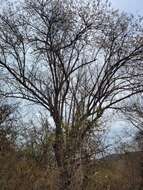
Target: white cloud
<point>130,6</point>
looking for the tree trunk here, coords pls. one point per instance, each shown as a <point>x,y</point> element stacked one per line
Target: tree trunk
<point>68,164</point>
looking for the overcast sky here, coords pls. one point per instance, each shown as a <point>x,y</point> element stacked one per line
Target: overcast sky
<point>130,6</point>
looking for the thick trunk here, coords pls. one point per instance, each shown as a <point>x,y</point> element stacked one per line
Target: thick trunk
<point>69,170</point>
<point>60,155</point>
<point>65,180</point>
<point>71,178</point>
<point>70,174</point>
<point>64,177</point>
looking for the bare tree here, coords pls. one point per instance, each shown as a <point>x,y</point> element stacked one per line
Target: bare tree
<point>77,60</point>
<point>8,126</point>
<point>133,112</point>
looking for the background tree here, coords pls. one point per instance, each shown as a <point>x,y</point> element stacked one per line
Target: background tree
<point>8,126</point>
<point>133,112</point>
